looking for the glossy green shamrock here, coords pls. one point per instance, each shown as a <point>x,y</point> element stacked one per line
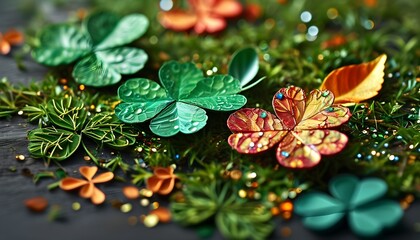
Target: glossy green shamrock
<point>358,200</point>
<point>97,46</point>
<point>178,103</point>
<point>69,125</point>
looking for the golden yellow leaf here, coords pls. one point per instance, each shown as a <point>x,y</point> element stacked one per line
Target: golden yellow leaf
<point>355,83</point>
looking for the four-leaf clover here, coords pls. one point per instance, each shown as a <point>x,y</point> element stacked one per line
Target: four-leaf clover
<point>359,200</point>
<point>97,46</point>
<point>299,127</point>
<point>178,104</point>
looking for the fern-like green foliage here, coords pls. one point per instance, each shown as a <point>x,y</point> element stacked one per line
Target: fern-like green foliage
<point>235,218</point>
<point>68,123</point>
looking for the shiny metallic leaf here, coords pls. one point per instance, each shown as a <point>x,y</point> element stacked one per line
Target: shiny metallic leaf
<point>289,105</point>
<point>255,130</point>
<point>61,44</point>
<point>299,128</point>
<point>178,117</point>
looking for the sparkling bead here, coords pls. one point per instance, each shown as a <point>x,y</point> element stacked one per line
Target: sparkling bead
<point>279,96</point>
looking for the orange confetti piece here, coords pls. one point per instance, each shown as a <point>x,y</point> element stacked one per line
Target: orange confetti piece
<point>163,214</point>
<point>36,204</point>
<point>131,192</point>
<point>356,83</point>
<point>9,39</point>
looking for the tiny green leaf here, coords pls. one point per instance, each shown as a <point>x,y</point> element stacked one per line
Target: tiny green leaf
<point>244,65</point>
<point>61,44</point>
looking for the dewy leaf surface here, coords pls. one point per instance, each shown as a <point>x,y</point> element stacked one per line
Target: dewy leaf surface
<point>217,93</point>
<point>61,44</point>
<point>178,117</point>
<point>176,104</point>
<point>143,99</point>
<point>356,83</point>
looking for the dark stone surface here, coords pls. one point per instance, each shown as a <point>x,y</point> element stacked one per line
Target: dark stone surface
<point>93,222</point>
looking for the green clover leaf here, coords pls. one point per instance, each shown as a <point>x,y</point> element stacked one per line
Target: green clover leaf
<point>177,106</point>
<point>68,128</point>
<point>367,214</point>
<point>97,46</point>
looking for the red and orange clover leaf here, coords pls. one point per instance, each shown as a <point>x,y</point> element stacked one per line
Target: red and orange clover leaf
<point>300,127</point>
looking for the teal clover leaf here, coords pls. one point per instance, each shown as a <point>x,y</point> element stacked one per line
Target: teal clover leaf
<point>358,200</point>
<point>96,46</point>
<point>177,104</point>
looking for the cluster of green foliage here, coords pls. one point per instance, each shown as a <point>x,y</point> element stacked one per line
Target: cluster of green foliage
<point>388,124</point>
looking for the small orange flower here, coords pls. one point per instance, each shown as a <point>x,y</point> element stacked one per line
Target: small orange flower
<point>163,180</point>
<point>88,189</point>
<point>8,39</point>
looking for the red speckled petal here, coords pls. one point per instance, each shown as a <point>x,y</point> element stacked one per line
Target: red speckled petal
<point>316,102</point>
<point>289,105</point>
<point>255,142</point>
<point>326,141</point>
<point>253,120</point>
<point>294,153</point>
<point>331,117</point>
